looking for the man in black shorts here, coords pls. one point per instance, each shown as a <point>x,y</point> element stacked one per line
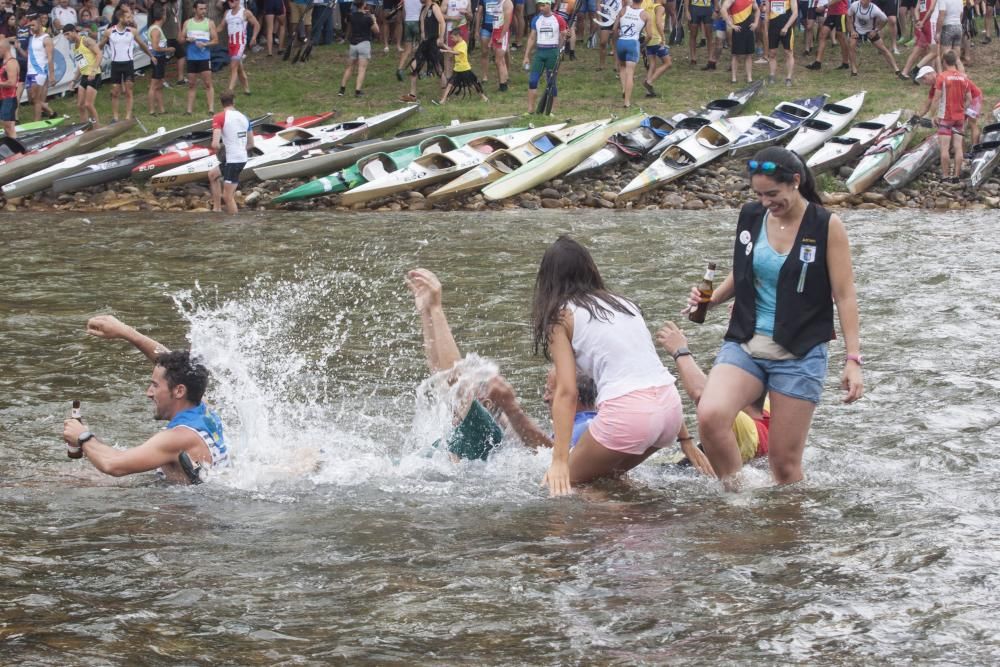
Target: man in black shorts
<point>232,139</point>
<point>700,17</point>
<point>907,12</point>
<point>780,17</point>
<point>122,38</point>
<point>890,8</point>
<point>835,21</point>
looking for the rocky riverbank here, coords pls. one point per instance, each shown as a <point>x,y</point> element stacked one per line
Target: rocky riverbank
<point>723,185</point>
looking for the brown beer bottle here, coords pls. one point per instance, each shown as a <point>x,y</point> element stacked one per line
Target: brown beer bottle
<point>698,314</point>
<point>75,451</point>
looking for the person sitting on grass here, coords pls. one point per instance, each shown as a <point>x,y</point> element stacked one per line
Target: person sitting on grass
<point>463,79</point>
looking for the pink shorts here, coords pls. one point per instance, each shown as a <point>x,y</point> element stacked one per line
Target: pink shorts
<point>644,418</point>
<point>947,128</point>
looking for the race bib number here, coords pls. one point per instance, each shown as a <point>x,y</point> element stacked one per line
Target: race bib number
<point>922,6</point>
<point>777,7</point>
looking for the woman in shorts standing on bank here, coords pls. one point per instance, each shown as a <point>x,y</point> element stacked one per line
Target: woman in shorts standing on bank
<point>8,88</point>
<point>161,48</point>
<point>791,264</point>
<point>583,327</point>
<point>274,13</point>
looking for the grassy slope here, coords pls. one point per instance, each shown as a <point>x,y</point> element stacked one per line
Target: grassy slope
<point>584,92</point>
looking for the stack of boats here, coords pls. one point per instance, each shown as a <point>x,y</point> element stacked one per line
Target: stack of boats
<point>492,156</point>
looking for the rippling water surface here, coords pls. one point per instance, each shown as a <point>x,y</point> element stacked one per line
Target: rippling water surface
<point>339,536</point>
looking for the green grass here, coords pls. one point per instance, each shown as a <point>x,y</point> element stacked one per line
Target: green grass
<point>584,93</point>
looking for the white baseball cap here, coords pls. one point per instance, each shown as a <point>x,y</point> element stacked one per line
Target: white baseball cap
<point>924,71</point>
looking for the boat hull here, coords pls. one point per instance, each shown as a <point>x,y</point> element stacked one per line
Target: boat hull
<point>845,148</point>
<point>830,121</point>
<point>878,159</point>
<point>985,155</point>
<point>913,163</point>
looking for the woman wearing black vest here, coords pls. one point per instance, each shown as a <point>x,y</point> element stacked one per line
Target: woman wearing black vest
<point>791,263</point>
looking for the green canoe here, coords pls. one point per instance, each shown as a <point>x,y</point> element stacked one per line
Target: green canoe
<point>374,164</point>
<point>37,126</point>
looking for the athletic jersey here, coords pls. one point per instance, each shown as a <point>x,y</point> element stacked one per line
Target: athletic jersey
<point>489,9</point>
<point>548,29</point>
<point>411,10</point>
<point>865,19</point>
<point>206,424</point>
<point>953,87</point>
<point>653,37</point>
<point>701,3</point>
<point>778,8</point>
<point>234,126</point>
<point>122,45</point>
<point>630,25</point>
<point>617,352</point>
<point>85,59</point>
<point>197,31</point>
<point>740,11</point>
<point>6,93</point>
<point>159,47</point>
<point>38,60</point>
<point>838,8</point>
<point>923,6</point>
<point>361,27</point>
<point>457,8</point>
<point>236,27</point>
<point>461,49</point>
<point>495,9</point>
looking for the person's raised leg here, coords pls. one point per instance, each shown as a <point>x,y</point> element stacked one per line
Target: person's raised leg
<point>790,421</point>
<point>439,344</point>
<point>728,390</point>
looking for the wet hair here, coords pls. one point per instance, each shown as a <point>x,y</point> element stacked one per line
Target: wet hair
<point>227,98</point>
<point>586,391</point>
<point>567,275</point>
<point>180,368</point>
<point>789,164</point>
<point>949,58</point>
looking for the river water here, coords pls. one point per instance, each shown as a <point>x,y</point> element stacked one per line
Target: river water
<point>339,537</point>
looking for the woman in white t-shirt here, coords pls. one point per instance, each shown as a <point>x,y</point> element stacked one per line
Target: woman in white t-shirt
<point>580,325</point>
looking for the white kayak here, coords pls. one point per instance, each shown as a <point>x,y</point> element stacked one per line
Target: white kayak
<point>41,180</point>
<point>830,121</point>
<point>877,159</point>
<point>985,155</point>
<point>914,163</point>
<point>437,167</point>
<point>778,127</point>
<point>557,161</point>
<point>846,147</point>
<point>707,144</point>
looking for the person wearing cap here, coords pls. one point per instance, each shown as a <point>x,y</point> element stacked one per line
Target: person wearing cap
<point>40,74</point>
<point>87,55</point>
<point>952,95</point>
<point>548,31</point>
<point>8,88</point>
<point>193,437</point>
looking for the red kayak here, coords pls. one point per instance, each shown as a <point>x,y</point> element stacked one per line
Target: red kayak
<point>184,152</point>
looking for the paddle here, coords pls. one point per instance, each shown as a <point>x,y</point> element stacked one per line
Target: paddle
<point>293,39</point>
<point>544,106</point>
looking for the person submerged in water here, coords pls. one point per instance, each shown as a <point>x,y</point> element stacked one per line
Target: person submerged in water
<point>480,430</point>
<point>193,438</point>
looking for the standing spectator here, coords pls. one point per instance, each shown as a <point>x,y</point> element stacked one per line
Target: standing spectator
<point>835,21</point>
<point>170,10</point>
<point>890,8</point>
<point>392,30</point>
<point>88,56</point>
<point>122,40</point>
<point>548,31</point>
<point>657,52</point>
<point>428,58</point>
<point>610,9</point>
<point>907,11</point>
<point>21,44</point>
<point>8,88</point>
<point>322,32</point>
<point>300,20</point>
<point>500,39</point>
<point>364,28</point>
<point>699,14</point>
<point>411,34</point>
<point>161,48</point>
<point>780,20</point>
<point>62,15</point>
<point>41,74</point>
<point>199,35</point>
<point>632,25</point>
<point>457,16</point>
<point>236,21</point>
<point>867,21</point>
<point>344,9</point>
<point>742,17</point>
<point>232,139</point>
<point>274,12</point>
<point>923,33</point>
<point>484,28</point>
<point>949,35</point>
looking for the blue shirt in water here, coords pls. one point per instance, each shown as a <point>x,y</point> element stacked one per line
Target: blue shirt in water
<point>766,266</point>
<point>206,424</point>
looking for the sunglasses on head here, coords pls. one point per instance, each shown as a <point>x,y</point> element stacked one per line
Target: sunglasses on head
<point>767,167</point>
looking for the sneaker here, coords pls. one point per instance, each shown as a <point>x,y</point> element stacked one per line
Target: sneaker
<point>761,61</point>
<point>359,93</point>
<point>771,79</point>
<point>182,82</point>
<point>901,76</point>
<point>166,85</point>
<point>986,40</point>
<point>709,67</point>
<point>815,65</point>
<point>648,87</point>
<point>572,54</point>
<point>399,75</point>
<point>909,42</point>
<point>341,92</point>
<point>256,48</point>
<point>701,44</point>
<point>843,66</point>
<point>503,87</point>
<point>407,98</point>
<point>895,50</point>
<point>788,83</point>
<point>854,73</point>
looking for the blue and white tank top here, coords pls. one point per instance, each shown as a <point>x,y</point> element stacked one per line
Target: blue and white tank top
<point>631,24</point>
<point>206,424</point>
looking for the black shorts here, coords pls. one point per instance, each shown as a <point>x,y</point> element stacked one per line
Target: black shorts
<point>870,37</point>
<point>888,7</point>
<point>274,7</point>
<point>744,39</point>
<point>198,66</point>
<point>160,68</point>
<point>908,4</point>
<point>700,15</point>
<point>122,73</point>
<point>91,81</point>
<point>774,36</point>
<point>836,23</point>
<point>231,172</point>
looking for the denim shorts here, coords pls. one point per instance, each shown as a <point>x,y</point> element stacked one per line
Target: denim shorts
<point>588,6</point>
<point>799,378</point>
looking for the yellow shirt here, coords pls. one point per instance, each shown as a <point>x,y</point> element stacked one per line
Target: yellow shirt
<point>654,35</point>
<point>461,50</point>
<point>85,59</point>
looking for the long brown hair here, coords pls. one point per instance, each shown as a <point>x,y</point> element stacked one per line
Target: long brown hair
<point>566,275</point>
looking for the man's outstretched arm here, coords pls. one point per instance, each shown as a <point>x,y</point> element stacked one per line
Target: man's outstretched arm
<point>439,345</point>
<point>161,449</point>
<point>501,393</point>
<point>110,327</point>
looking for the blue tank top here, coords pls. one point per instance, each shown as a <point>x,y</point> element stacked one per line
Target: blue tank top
<point>207,424</point>
<point>580,423</point>
<point>766,266</point>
